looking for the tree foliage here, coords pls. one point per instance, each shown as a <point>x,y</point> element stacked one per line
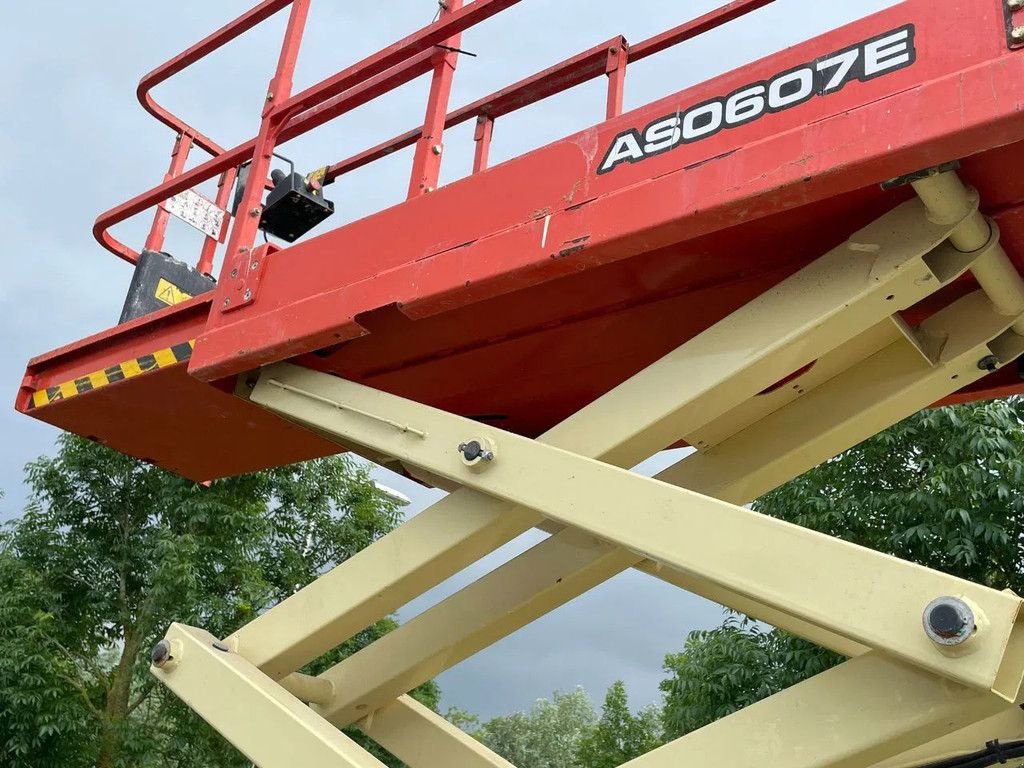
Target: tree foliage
<point>722,670</point>
<point>940,489</point>
<point>566,732</point>
<point>111,550</point>
<point>547,736</point>
<point>619,735</point>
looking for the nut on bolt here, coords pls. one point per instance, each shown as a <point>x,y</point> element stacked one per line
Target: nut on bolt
<point>1017,34</point>
<point>948,621</point>
<point>476,450</point>
<point>161,654</point>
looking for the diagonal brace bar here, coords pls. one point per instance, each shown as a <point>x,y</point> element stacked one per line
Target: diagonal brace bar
<point>421,738</point>
<point>268,725</point>
<point>852,716</point>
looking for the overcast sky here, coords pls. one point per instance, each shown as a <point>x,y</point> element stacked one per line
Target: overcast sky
<point>74,142</point>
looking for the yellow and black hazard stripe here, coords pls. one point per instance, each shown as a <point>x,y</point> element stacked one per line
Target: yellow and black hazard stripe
<point>179,353</point>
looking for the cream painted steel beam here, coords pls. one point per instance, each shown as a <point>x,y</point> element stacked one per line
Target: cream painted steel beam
<point>902,255</point>
<point>524,589</point>
<point>889,265</point>
<point>421,553</point>
<point>269,726</point>
<point>862,712</point>
<point>308,689</point>
<point>421,738</point>
<point>828,366</point>
<point>848,408</point>
<point>742,550</point>
<point>886,387</point>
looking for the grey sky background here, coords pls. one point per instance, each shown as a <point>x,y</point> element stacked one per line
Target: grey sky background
<point>74,142</point>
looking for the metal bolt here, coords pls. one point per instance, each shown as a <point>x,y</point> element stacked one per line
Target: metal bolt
<point>948,621</point>
<point>234,272</point>
<point>227,303</point>
<point>1017,34</point>
<point>248,294</point>
<point>254,212</point>
<point>437,149</point>
<point>988,363</point>
<point>472,451</point>
<point>254,265</point>
<point>160,654</point>
<point>270,95</point>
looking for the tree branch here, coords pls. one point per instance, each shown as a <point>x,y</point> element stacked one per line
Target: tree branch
<point>84,692</point>
<point>143,695</point>
<point>96,671</point>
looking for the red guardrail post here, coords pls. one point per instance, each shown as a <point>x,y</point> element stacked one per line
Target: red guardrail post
<point>426,165</point>
<point>482,137</point>
<point>618,57</point>
<point>235,286</point>
<point>179,155</point>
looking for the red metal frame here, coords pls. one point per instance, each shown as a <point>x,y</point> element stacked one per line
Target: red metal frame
<point>291,115</point>
<point>374,76</point>
<point>529,288</point>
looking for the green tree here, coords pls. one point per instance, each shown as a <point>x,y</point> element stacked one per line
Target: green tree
<point>548,736</point>
<point>728,668</point>
<point>111,550</point>
<point>619,735</point>
<point>940,489</point>
<point>463,719</point>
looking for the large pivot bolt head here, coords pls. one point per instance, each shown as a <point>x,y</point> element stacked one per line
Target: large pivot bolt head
<point>160,654</point>
<point>988,363</point>
<point>948,621</point>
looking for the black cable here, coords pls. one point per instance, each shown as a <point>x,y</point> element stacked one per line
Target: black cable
<point>994,753</point>
<point>454,50</point>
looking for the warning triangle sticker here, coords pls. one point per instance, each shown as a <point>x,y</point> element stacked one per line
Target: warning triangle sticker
<point>170,294</point>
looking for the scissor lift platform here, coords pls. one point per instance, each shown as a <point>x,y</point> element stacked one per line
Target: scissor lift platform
<point>524,291</point>
<point>771,267</point>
